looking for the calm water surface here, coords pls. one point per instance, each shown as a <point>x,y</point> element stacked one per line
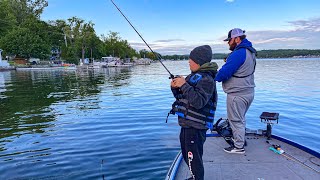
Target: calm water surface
<point>110,123</point>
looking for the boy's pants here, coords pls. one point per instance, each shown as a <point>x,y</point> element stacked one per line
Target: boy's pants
<point>192,140</point>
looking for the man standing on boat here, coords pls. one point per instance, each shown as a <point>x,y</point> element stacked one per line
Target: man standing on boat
<point>195,105</point>
<point>237,77</point>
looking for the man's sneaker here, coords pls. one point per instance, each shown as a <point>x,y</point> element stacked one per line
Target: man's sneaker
<point>190,178</point>
<point>234,150</point>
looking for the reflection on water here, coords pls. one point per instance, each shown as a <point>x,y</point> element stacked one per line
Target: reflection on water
<point>40,116</point>
<point>4,76</point>
<point>25,106</point>
<point>90,124</point>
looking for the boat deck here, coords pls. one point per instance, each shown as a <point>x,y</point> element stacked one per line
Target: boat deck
<point>258,163</point>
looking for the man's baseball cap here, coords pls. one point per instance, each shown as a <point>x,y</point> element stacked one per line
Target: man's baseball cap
<point>236,32</point>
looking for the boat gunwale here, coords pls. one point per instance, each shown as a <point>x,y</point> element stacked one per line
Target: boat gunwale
<point>174,167</point>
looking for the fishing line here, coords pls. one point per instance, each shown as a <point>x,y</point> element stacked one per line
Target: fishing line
<point>155,74</point>
<point>156,55</point>
<point>101,169</point>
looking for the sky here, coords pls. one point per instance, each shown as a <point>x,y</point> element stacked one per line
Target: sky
<point>178,26</point>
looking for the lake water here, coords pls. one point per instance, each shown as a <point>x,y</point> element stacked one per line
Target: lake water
<point>110,123</point>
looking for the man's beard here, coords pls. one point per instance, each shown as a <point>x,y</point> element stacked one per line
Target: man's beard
<point>232,46</point>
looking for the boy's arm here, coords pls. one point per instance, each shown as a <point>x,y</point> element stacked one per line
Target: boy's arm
<point>199,95</point>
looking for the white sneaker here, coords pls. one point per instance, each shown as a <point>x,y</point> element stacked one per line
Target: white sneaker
<point>234,150</point>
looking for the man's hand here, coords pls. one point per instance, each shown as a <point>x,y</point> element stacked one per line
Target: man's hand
<point>178,82</point>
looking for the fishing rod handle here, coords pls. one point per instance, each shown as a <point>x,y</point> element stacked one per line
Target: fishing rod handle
<point>173,77</point>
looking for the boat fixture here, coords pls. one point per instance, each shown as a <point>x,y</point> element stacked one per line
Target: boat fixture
<point>270,119</point>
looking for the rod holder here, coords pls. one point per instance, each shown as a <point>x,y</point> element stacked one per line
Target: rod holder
<point>269,118</point>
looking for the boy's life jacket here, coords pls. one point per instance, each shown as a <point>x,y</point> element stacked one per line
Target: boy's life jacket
<point>198,118</point>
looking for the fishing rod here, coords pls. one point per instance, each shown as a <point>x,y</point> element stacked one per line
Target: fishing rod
<point>277,149</point>
<point>156,55</point>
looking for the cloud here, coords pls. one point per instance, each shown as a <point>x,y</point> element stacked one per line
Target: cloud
<point>300,34</point>
<point>169,40</point>
<point>166,48</point>
<point>310,25</point>
<point>303,34</point>
<point>278,40</point>
<point>230,1</point>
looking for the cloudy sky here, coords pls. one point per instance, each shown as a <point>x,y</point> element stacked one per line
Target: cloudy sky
<point>177,26</point>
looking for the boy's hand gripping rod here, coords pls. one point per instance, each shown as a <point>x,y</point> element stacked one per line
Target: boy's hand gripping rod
<point>156,55</point>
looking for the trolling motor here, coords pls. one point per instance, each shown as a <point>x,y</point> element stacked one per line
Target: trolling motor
<point>270,119</point>
<point>222,127</point>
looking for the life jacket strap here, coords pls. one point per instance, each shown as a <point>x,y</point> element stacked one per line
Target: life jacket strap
<point>207,113</point>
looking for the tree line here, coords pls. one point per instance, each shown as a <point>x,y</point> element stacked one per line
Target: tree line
<point>279,53</point>
<point>23,34</point>
<point>288,53</point>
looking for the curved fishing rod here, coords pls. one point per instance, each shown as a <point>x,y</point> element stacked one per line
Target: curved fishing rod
<point>156,55</point>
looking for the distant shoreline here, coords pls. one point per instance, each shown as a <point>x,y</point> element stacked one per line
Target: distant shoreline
<point>297,58</point>
<point>279,54</point>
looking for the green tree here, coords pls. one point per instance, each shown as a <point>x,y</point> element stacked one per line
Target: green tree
<point>7,18</point>
<point>112,43</point>
<point>143,53</point>
<point>147,54</point>
<point>61,37</point>
<point>23,33</point>
<point>94,45</point>
<point>24,43</point>
<point>85,38</point>
<point>23,9</point>
<point>80,39</point>
<point>55,33</point>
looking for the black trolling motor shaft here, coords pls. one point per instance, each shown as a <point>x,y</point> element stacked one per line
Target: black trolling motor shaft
<point>156,55</point>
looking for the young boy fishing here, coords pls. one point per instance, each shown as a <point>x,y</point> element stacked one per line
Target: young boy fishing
<point>195,105</point>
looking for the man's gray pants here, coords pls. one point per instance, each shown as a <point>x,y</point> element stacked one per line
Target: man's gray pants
<point>237,107</point>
